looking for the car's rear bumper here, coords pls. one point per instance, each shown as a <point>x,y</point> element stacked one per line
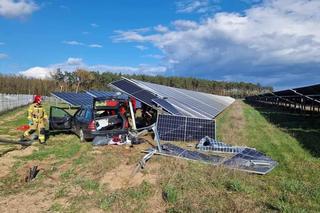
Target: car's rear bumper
<point>93,134</point>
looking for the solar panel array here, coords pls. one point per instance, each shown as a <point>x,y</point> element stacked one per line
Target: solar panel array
<point>86,98</point>
<point>74,99</point>
<point>106,94</point>
<point>186,102</point>
<point>302,98</point>
<point>190,103</point>
<point>166,105</point>
<point>179,128</point>
<point>132,89</point>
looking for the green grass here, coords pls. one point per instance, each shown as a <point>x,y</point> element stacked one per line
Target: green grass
<point>72,171</point>
<point>60,150</point>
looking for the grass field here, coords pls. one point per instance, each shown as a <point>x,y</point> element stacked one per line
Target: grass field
<point>75,177</point>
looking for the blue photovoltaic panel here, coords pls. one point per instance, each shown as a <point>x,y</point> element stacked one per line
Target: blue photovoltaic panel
<point>189,103</point>
<point>166,106</point>
<point>132,89</point>
<point>74,99</point>
<point>178,128</point>
<point>106,94</point>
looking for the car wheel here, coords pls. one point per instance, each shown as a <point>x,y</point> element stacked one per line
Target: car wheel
<point>81,135</point>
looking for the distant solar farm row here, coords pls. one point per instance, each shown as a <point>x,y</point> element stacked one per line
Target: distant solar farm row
<point>302,98</point>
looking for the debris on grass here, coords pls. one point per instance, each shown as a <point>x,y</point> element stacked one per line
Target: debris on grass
<point>31,174</point>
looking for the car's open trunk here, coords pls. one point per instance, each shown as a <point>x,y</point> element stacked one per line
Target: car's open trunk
<point>108,118</point>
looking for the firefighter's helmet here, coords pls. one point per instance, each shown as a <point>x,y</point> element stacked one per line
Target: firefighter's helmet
<point>37,99</point>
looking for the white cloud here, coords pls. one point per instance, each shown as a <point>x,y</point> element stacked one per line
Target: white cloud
<point>78,43</point>
<point>73,43</point>
<point>94,25</point>
<point>95,45</point>
<point>271,39</point>
<point>17,8</point>
<point>141,47</point>
<point>3,56</point>
<point>198,6</point>
<point>156,56</point>
<point>161,29</point>
<point>184,24</point>
<point>64,7</point>
<point>38,72</point>
<point>141,69</point>
<point>74,61</point>
<point>72,64</point>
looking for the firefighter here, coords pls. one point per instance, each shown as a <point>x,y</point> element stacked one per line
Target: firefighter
<point>37,119</point>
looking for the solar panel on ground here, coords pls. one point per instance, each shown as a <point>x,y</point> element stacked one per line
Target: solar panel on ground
<point>251,160</point>
<point>166,106</point>
<point>179,128</point>
<point>173,150</point>
<point>132,89</point>
<point>248,160</point>
<point>74,99</point>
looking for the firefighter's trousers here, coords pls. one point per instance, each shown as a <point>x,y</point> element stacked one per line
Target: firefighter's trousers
<point>37,126</point>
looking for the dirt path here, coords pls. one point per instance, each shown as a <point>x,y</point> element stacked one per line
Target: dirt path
<point>28,202</point>
<point>122,177</point>
<point>8,160</point>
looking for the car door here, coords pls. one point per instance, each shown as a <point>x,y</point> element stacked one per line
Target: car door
<point>60,119</point>
<point>79,120</point>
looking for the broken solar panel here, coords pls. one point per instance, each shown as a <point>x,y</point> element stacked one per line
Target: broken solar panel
<point>248,160</point>
<point>74,99</point>
<point>175,151</point>
<point>179,128</point>
<point>132,89</point>
<point>209,144</point>
<point>251,160</point>
<point>166,106</point>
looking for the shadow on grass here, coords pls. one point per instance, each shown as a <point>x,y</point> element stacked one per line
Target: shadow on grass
<point>304,127</point>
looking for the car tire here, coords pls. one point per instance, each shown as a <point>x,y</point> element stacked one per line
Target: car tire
<point>81,136</point>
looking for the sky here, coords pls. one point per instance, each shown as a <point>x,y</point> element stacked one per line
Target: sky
<point>271,42</point>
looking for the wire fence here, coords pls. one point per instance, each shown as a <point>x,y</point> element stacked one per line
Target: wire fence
<point>12,101</point>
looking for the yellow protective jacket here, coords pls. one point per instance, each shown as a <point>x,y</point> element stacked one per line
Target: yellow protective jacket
<point>36,113</point>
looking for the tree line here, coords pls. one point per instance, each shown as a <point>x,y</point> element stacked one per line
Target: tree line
<point>81,80</point>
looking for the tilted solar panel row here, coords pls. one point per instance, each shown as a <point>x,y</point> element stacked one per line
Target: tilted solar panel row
<point>132,89</point>
<point>86,98</point>
<point>188,103</point>
<point>167,106</point>
<point>106,94</point>
<point>74,99</point>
